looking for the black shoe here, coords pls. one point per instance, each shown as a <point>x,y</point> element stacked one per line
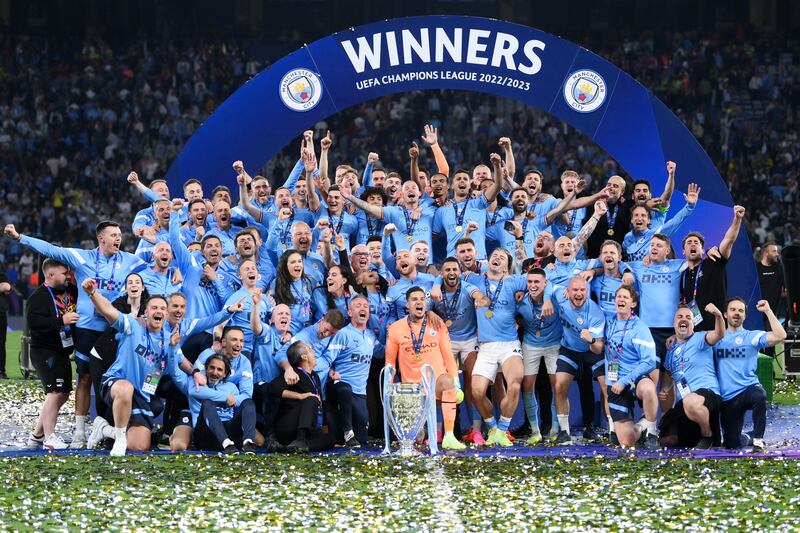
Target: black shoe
<point>704,443</point>
<point>593,434</point>
<point>249,448</point>
<point>522,432</point>
<point>563,438</point>
<point>351,443</point>
<point>298,446</point>
<point>3,375</point>
<point>230,449</point>
<point>273,446</point>
<point>651,442</point>
<point>613,439</point>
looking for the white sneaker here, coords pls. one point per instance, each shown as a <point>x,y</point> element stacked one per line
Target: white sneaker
<point>759,445</point>
<point>78,440</point>
<point>96,435</point>
<point>34,443</point>
<point>54,442</point>
<point>120,447</point>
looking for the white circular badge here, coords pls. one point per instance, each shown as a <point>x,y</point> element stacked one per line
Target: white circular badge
<point>584,91</point>
<point>300,89</point>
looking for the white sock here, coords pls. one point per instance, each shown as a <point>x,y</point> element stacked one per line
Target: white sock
<point>610,423</point>
<point>226,443</point>
<point>248,440</point>
<point>80,423</point>
<point>120,433</point>
<point>651,427</point>
<point>563,421</point>
<point>109,432</point>
<point>349,435</point>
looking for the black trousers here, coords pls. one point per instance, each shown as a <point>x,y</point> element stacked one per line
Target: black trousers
<point>303,417</point>
<point>211,432</point>
<point>195,345</point>
<point>266,406</point>
<point>346,411</point>
<point>753,398</point>
<point>3,328</point>
<point>586,392</point>
<point>98,367</point>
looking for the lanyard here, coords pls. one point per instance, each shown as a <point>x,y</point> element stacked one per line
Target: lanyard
<point>311,379</point>
<point>168,279</point>
<point>460,216</point>
<point>624,333</point>
<point>151,351</point>
<point>301,299</point>
<point>572,216</point>
<point>286,232</point>
<point>55,304</point>
<point>370,229</point>
<point>97,268</point>
<point>696,283</point>
<point>536,316</point>
<point>339,224</point>
<point>451,308</point>
<point>410,222</point>
<point>417,342</point>
<point>494,216</point>
<point>611,219</point>
<point>493,297</point>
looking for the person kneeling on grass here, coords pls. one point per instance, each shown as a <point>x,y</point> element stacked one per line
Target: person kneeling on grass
<point>129,386</point>
<point>694,421</point>
<point>430,345</point>
<point>299,421</point>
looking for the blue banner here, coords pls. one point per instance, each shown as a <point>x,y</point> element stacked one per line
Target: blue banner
<point>470,54</point>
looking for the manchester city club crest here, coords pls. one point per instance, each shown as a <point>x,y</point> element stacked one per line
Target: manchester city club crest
<point>585,91</point>
<point>300,89</point>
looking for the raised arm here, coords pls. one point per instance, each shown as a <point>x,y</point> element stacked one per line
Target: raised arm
<point>566,203</point>
<point>716,335</point>
<point>726,246</point>
<point>310,163</point>
<point>372,210</point>
<point>413,155</point>
<point>669,188</point>
<point>511,165</point>
<point>324,145</point>
<point>432,138</point>
<point>588,227</point>
<point>497,185</point>
<point>133,179</point>
<point>589,200</point>
<point>778,334</point>
<point>63,255</point>
<point>100,302</point>
<point>255,319</point>
<point>692,196</point>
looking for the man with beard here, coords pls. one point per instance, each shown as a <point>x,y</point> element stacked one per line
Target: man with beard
<point>129,386</point>
<point>196,227</point>
<point>581,350</point>
<point>150,235</point>
<point>412,222</point>
<point>616,222</point>
<point>605,285</point>
<point>313,263</point>
<point>452,219</point>
<point>350,351</point>
<point>770,277</point>
<point>158,190</point>
<point>413,343</point>
<point>467,256</point>
<point>161,277</point>
<point>736,357</point>
<point>539,203</point>
<point>223,229</point>
<point>335,216</point>
<point>210,286</point>
<point>247,249</point>
<point>705,279</point>
<point>457,309</point>
<point>642,194</point>
<point>637,241</point>
<point>527,228</point>
<point>249,278</point>
<point>542,252</point>
<point>694,421</point>
<point>109,267</point>
<point>409,277</point>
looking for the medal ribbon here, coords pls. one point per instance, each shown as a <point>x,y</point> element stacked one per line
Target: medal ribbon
<point>410,223</point>
<point>493,297</point>
<point>460,217</point>
<point>450,309</point>
<point>417,342</point>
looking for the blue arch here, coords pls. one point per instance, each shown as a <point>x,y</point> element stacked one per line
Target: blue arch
<point>470,54</point>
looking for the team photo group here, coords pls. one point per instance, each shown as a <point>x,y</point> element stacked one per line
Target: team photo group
<point>253,319</point>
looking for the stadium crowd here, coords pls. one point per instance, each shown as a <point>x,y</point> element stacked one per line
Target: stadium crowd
<point>546,254</point>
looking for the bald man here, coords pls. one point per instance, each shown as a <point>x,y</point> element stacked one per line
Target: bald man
<point>616,221</point>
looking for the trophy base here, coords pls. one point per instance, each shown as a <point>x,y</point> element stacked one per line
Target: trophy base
<point>407,449</point>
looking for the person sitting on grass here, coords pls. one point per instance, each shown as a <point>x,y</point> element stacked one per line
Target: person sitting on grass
<point>299,421</point>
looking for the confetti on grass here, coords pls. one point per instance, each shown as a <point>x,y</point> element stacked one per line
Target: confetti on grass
<point>335,493</point>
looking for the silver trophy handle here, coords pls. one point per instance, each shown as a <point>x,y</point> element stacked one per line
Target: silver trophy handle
<point>386,378</point>
<point>429,382</point>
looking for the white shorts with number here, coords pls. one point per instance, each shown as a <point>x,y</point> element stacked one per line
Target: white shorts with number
<point>492,355</point>
<point>532,358</point>
<point>461,349</point>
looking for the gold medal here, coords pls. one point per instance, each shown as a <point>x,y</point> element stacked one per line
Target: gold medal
<point>459,229</point>
<point>410,238</point>
<point>489,313</point>
<point>610,232</point>
<point>570,234</point>
<point>538,333</point>
<point>448,323</point>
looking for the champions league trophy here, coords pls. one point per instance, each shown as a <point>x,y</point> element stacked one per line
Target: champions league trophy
<point>406,407</point>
